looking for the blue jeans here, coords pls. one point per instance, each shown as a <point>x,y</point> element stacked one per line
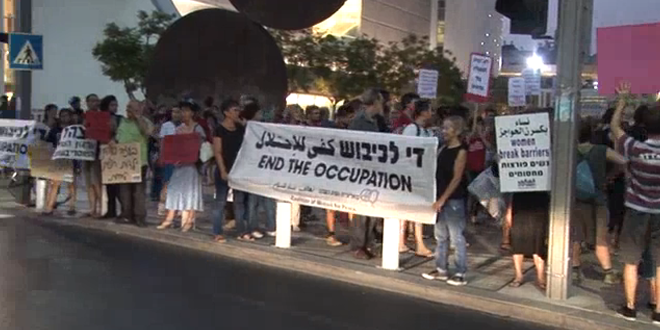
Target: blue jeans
<point>450,226</point>
<point>268,204</point>
<point>240,201</point>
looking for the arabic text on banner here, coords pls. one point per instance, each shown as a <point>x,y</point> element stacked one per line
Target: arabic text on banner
<point>121,163</point>
<point>73,145</point>
<point>42,165</point>
<point>380,175</point>
<point>523,146</point>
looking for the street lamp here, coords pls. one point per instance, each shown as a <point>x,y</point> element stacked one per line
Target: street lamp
<point>535,62</point>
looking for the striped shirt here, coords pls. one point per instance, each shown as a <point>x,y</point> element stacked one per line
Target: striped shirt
<point>643,189</point>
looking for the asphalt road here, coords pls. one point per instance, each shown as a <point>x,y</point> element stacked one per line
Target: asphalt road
<point>65,278</point>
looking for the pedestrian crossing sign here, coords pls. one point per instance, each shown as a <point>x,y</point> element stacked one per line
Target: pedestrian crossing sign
<point>26,51</point>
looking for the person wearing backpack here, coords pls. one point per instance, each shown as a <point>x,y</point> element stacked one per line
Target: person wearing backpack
<point>422,114</point>
<point>591,201</point>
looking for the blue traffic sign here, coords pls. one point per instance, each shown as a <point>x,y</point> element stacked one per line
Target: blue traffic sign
<point>26,51</point>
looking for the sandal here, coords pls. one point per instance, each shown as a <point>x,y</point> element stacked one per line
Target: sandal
<point>47,213</point>
<point>246,237</point>
<point>516,284</point>
<point>505,247</point>
<point>428,254</point>
<point>219,239</point>
<point>541,286</point>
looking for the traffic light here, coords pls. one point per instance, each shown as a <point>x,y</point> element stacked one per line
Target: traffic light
<point>527,16</point>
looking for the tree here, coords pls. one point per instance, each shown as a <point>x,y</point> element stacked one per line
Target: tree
<point>344,67</point>
<point>125,52</point>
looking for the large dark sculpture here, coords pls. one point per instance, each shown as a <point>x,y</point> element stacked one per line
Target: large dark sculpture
<point>215,52</point>
<point>288,14</point>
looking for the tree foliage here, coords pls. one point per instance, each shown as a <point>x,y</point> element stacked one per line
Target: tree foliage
<point>344,67</point>
<point>125,52</point>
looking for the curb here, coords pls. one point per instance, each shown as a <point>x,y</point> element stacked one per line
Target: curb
<point>493,303</point>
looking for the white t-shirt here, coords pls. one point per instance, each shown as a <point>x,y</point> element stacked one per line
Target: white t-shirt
<point>166,129</point>
<point>411,130</point>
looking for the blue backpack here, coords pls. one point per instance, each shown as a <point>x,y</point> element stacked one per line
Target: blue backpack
<point>585,188</point>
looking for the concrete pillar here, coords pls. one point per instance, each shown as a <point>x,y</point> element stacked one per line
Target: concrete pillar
<point>391,229</point>
<point>41,194</point>
<point>283,216</point>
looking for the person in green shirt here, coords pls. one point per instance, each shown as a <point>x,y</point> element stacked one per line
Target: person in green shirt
<point>135,128</point>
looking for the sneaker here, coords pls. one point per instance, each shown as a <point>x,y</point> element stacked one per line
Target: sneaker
<point>627,313</point>
<point>440,275</point>
<point>271,233</point>
<point>332,241</point>
<point>257,235</point>
<point>612,277</point>
<point>457,280</point>
<point>655,318</point>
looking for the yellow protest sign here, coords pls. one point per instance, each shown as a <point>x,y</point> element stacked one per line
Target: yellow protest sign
<point>121,163</point>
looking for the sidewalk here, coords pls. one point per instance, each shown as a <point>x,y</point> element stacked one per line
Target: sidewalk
<point>591,305</point>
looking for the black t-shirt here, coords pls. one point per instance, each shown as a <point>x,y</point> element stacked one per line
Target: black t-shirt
<point>445,172</point>
<point>53,135</point>
<point>231,143</point>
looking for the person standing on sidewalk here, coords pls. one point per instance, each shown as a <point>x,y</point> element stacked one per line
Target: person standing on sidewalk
<point>362,227</point>
<point>591,215</point>
<point>185,186</point>
<point>109,104</point>
<point>53,137</point>
<point>166,170</point>
<point>252,111</point>
<point>450,203</point>
<point>422,114</point>
<point>135,128</point>
<point>92,169</point>
<point>641,228</point>
<point>226,144</point>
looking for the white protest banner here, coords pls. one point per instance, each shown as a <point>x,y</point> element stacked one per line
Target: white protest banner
<point>523,146</point>
<point>15,138</point>
<point>373,174</point>
<point>532,81</point>
<point>121,163</point>
<point>43,166</point>
<point>427,84</point>
<point>478,88</point>
<point>517,92</point>
<point>73,145</point>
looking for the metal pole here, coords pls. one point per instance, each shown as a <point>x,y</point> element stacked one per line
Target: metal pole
<point>2,48</point>
<point>23,10</point>
<point>433,31</point>
<point>574,34</point>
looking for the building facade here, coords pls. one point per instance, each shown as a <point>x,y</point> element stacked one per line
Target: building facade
<point>473,26</point>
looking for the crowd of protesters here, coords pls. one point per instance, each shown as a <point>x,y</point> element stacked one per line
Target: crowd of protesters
<point>624,161</point>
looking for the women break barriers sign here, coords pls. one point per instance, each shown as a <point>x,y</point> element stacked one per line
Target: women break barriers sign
<point>523,146</point>
<point>373,174</point>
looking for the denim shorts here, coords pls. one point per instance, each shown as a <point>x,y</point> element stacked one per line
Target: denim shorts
<point>641,231</point>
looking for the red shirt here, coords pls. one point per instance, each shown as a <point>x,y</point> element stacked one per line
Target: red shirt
<point>400,123</point>
<point>476,155</point>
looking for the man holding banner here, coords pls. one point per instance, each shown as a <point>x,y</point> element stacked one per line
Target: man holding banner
<point>135,129</point>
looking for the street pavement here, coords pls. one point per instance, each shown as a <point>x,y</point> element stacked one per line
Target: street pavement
<point>60,277</point>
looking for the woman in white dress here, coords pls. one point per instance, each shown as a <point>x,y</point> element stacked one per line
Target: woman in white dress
<point>184,189</point>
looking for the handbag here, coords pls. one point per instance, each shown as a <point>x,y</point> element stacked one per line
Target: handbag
<point>205,152</point>
<point>486,188</point>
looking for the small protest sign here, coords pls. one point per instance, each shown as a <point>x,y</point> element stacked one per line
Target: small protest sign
<point>517,92</point>
<point>478,88</point>
<point>532,81</point>
<point>180,149</point>
<point>427,84</point>
<point>73,145</point>
<point>97,126</point>
<point>120,163</point>
<point>523,146</point>
<point>43,166</point>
